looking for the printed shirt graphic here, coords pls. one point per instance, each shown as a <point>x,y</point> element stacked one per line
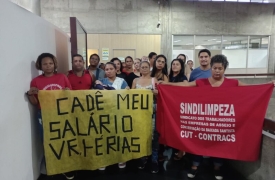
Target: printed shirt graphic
<point>55,82</point>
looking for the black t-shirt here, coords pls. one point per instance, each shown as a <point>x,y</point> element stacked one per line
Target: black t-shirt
<point>130,78</point>
<point>122,75</point>
<point>178,79</point>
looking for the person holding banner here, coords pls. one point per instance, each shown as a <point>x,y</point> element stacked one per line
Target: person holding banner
<point>177,75</point>
<point>49,80</point>
<point>159,71</point>
<point>112,82</point>
<point>218,65</point>
<point>145,81</point>
<point>79,77</point>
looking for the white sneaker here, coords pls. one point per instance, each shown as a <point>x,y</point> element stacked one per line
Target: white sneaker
<point>68,176</point>
<point>122,165</point>
<point>102,168</point>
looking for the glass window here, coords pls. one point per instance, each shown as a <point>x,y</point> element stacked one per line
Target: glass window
<point>235,49</point>
<point>234,42</point>
<point>183,42</point>
<point>244,53</point>
<point>183,45</point>
<point>208,42</point>
<point>258,51</point>
<point>257,1</point>
<point>258,42</point>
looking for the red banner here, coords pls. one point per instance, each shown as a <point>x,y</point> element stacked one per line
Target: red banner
<point>216,122</point>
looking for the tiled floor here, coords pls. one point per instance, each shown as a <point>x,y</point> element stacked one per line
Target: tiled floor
<point>176,170</point>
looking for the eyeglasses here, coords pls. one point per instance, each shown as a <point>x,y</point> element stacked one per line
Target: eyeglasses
<point>95,59</point>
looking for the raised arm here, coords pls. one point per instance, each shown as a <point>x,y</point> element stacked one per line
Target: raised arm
<point>184,83</point>
<point>244,84</point>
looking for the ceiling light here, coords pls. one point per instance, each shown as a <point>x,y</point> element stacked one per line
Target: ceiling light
<point>177,40</point>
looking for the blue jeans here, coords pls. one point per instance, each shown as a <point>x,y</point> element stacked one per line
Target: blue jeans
<point>40,128</point>
<point>155,138</point>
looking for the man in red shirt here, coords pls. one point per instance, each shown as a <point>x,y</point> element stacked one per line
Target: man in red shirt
<point>80,78</point>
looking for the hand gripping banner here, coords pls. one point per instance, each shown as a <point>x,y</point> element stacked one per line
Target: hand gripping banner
<point>213,121</point>
<point>89,129</point>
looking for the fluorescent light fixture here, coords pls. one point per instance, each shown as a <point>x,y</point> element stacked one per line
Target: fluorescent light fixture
<point>189,44</point>
<point>177,41</point>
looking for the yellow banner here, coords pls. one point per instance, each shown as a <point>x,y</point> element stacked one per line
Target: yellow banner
<point>89,129</point>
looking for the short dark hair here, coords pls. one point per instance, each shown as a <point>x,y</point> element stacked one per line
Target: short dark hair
<point>206,51</point>
<point>189,61</point>
<point>38,63</point>
<point>151,54</point>
<point>129,57</point>
<point>95,55</point>
<point>116,59</point>
<point>77,55</point>
<point>219,59</point>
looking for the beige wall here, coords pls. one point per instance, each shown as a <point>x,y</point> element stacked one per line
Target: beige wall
<point>121,45</point>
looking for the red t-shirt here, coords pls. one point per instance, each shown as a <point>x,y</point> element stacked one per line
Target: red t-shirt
<point>56,82</point>
<point>226,82</point>
<point>80,83</point>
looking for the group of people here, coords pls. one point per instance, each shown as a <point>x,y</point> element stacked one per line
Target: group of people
<point>143,73</point>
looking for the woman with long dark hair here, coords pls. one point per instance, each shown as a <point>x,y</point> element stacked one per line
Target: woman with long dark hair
<point>187,70</point>
<point>177,71</point>
<point>119,68</point>
<point>177,75</point>
<point>159,70</point>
